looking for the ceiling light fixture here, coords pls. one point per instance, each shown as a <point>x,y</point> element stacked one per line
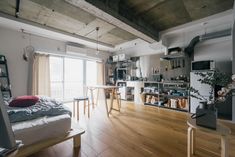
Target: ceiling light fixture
<point>97,40</point>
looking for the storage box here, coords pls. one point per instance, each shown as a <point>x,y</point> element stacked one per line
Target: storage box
<point>123,57</point>
<point>115,58</point>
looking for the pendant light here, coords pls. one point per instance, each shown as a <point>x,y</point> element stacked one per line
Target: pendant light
<point>28,49</point>
<point>97,41</point>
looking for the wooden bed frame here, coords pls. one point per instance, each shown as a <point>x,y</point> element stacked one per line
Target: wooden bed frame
<point>8,139</point>
<point>31,149</point>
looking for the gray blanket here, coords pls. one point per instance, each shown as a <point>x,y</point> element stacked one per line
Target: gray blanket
<point>44,107</point>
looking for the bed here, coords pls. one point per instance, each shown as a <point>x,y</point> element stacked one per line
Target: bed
<point>48,119</point>
<point>43,127</point>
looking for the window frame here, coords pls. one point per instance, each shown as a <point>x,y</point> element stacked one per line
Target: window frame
<point>84,61</point>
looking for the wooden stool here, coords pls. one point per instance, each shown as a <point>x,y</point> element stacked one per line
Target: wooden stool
<point>91,90</point>
<point>221,130</point>
<point>117,96</point>
<point>77,100</point>
<point>119,99</point>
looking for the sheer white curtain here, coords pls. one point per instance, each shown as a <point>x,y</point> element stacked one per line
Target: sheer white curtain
<point>100,73</point>
<point>40,75</point>
<point>100,81</point>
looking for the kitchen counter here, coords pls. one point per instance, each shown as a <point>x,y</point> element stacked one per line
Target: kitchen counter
<point>137,85</point>
<point>137,90</point>
<point>155,81</point>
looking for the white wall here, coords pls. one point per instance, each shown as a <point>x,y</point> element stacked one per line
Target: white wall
<point>12,44</point>
<point>148,62</point>
<point>219,50</point>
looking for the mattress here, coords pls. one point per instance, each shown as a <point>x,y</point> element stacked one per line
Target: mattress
<point>43,128</point>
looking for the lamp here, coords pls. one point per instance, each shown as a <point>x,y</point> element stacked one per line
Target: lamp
<point>28,49</point>
<point>97,41</point>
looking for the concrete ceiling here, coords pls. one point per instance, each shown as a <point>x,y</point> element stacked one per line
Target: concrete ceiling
<point>147,16</point>
<point>66,17</point>
<point>162,14</point>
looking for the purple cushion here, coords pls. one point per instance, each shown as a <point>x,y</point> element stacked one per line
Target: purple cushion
<point>24,101</point>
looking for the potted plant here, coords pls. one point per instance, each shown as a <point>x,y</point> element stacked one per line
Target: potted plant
<point>206,113</point>
<point>218,83</point>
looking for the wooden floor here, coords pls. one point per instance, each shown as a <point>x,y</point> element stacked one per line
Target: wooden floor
<point>138,131</point>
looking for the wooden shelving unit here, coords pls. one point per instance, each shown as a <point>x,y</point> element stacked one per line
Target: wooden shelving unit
<point>119,70</point>
<point>4,79</point>
<point>165,92</point>
<point>178,109</point>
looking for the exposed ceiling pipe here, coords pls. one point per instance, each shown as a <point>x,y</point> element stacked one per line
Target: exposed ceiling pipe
<point>17,12</point>
<point>190,48</point>
<point>214,35</point>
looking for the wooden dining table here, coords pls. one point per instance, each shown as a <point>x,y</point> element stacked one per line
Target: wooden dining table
<point>105,89</point>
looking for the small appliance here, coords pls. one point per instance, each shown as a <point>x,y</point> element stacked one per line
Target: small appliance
<point>203,65</point>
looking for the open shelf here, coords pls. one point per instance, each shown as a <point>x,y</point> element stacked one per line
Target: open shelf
<point>178,109</point>
<point>2,62</point>
<point>166,91</point>
<point>4,78</point>
<point>5,90</point>
<point>175,96</point>
<point>153,94</point>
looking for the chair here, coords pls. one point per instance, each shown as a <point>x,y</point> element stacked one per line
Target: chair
<point>77,100</point>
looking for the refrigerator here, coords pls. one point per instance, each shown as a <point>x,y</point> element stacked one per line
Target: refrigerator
<point>204,90</point>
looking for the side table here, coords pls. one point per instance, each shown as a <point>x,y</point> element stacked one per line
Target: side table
<point>221,130</point>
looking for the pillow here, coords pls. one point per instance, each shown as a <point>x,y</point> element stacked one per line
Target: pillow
<point>24,101</point>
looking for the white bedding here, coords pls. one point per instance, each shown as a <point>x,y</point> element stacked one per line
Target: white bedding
<point>41,128</point>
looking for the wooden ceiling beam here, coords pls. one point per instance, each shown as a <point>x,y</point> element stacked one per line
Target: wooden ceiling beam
<point>115,13</point>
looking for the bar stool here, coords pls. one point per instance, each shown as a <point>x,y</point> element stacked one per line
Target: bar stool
<point>119,99</point>
<point>77,100</point>
<point>91,90</point>
<point>117,96</point>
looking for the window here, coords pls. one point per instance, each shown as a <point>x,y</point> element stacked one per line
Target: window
<point>69,75</point>
<point>73,78</point>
